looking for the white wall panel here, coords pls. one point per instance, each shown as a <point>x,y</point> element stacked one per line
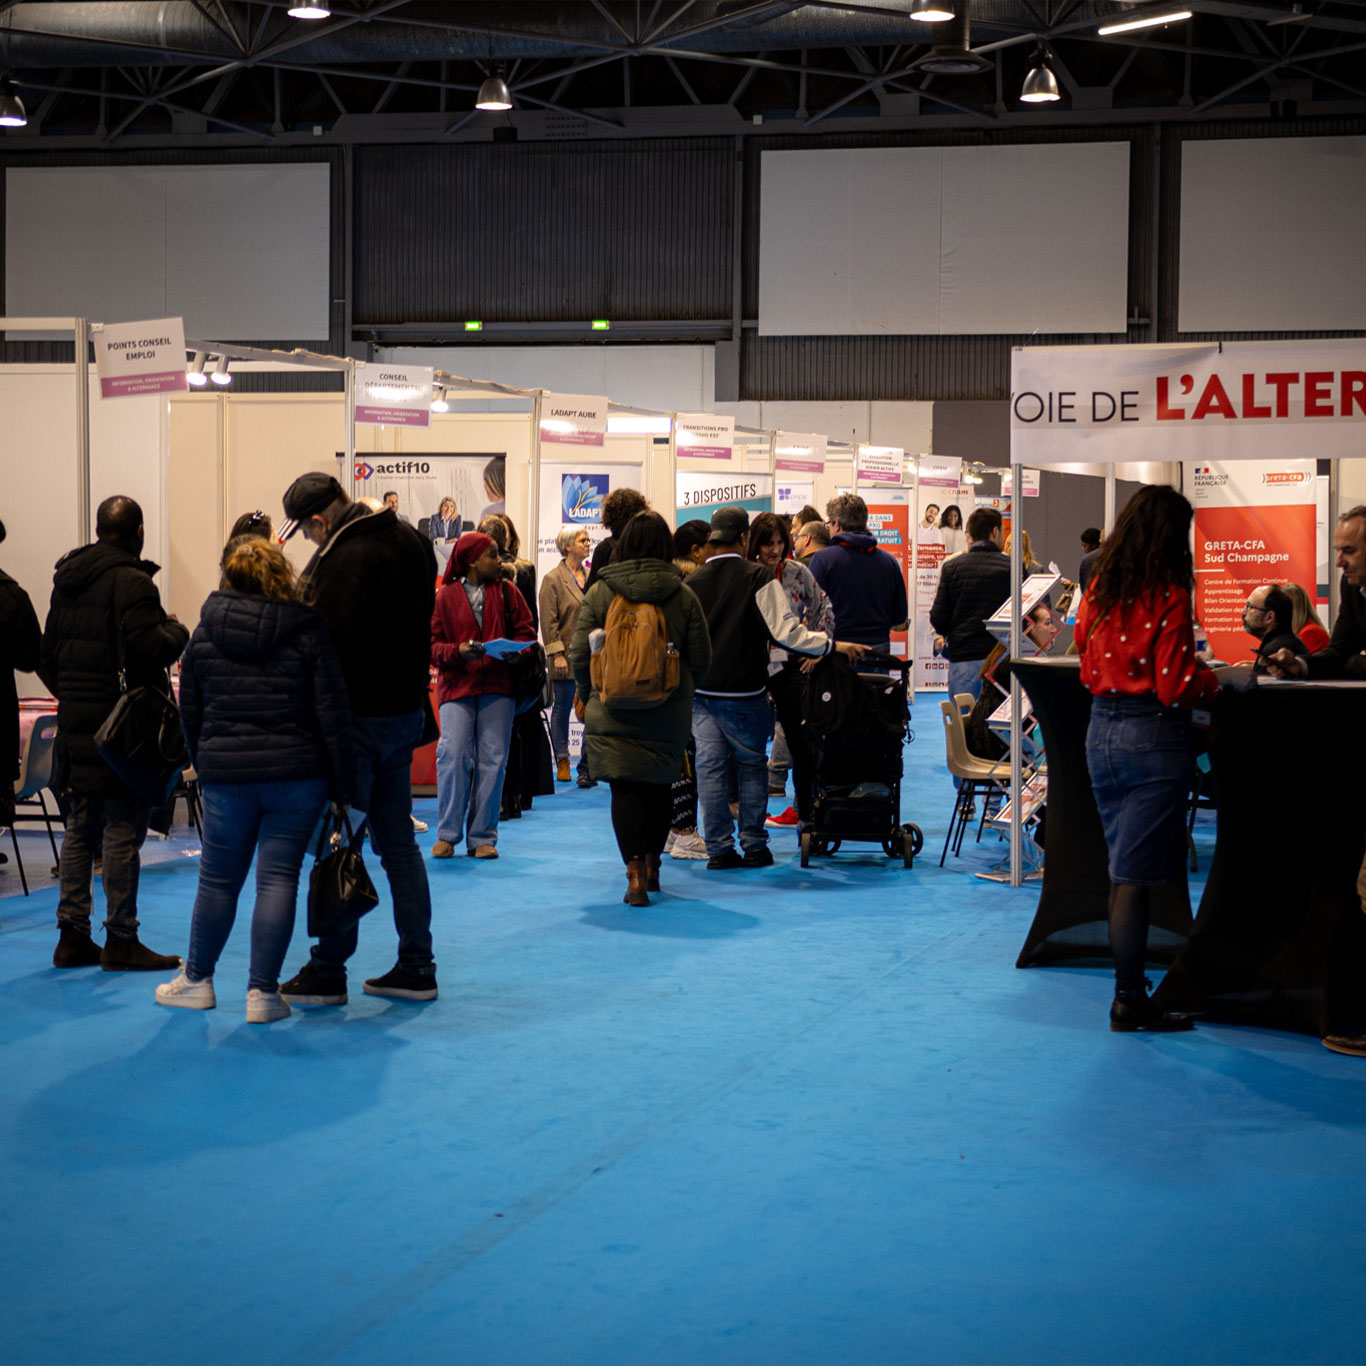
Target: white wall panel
<point>1271,235</point>
<point>242,252</point>
<point>849,241</point>
<point>1035,238</point>
<point>956,240</point>
<point>247,250</point>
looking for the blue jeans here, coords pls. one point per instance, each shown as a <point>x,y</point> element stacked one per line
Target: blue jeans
<point>384,791</point>
<point>470,759</point>
<point>726,728</point>
<point>963,678</point>
<point>273,821</point>
<point>559,723</point>
<point>1138,755</point>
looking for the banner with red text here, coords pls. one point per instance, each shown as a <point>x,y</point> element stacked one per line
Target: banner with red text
<point>1194,403</point>
<point>1254,524</point>
<point>889,520</point>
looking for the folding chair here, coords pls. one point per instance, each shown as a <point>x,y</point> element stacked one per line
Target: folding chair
<point>35,775</point>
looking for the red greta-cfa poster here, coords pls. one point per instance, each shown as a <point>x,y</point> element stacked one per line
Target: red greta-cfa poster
<point>889,521</point>
<point>1254,524</point>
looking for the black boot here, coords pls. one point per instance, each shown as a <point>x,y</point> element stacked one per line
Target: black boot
<point>1133,1010</point>
<point>75,949</point>
<point>131,955</point>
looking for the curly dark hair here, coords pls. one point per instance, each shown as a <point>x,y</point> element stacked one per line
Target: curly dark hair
<point>619,507</point>
<point>1148,548</point>
<point>762,530</point>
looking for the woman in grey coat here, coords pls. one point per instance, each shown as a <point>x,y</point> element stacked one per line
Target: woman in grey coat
<point>639,752</point>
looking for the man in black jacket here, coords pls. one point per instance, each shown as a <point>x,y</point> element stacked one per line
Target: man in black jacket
<point>745,607</point>
<point>971,587</point>
<point>373,579</point>
<point>105,611</point>
<point>1267,617</point>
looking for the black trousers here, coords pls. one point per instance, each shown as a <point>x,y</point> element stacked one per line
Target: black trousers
<point>785,688</point>
<point>640,816</point>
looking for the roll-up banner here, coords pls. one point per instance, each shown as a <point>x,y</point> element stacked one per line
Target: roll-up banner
<point>394,395</point>
<point>140,358</point>
<point>1200,403</point>
<point>889,520</point>
<point>936,487</point>
<point>571,496</point>
<point>1254,524</point>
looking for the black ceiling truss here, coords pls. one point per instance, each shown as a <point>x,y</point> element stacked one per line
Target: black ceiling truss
<point>94,74</point>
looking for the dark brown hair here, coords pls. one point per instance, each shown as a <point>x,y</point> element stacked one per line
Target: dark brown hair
<point>762,530</point>
<point>254,565</point>
<point>1148,548</point>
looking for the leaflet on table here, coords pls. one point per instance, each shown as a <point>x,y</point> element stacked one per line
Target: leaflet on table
<point>502,647</point>
<point>1035,588</point>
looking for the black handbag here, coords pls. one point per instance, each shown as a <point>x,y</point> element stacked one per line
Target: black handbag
<point>531,685</point>
<point>141,740</point>
<point>339,889</point>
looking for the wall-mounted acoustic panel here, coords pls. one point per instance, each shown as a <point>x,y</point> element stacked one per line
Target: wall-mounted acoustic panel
<point>849,241</point>
<point>247,250</point>
<point>1271,235</point>
<point>1035,238</point>
<point>85,242</point>
<point>953,240</point>
<point>241,252</point>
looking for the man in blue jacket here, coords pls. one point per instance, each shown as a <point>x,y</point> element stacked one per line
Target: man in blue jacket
<point>864,583</point>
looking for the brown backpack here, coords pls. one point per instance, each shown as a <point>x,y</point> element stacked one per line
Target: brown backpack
<point>637,666</point>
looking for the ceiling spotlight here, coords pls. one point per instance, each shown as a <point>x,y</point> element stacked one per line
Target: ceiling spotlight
<point>494,94</point>
<point>12,113</point>
<point>306,11</point>
<point>931,11</point>
<point>1148,21</point>
<point>195,373</point>
<point>439,404</point>
<point>1040,86</point>
<point>220,372</point>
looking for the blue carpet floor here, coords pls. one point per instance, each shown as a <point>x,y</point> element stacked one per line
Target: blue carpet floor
<point>779,1116</point>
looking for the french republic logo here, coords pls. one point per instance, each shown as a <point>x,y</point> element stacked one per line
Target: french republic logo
<point>363,470</point>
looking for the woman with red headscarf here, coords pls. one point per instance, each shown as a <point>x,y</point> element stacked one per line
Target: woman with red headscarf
<point>474,694</point>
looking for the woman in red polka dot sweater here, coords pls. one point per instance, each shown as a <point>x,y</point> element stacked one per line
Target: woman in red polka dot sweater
<point>1134,630</point>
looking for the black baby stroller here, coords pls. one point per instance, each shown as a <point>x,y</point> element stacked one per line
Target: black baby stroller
<point>856,724</point>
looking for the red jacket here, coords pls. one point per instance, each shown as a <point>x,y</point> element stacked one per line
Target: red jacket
<point>505,615</point>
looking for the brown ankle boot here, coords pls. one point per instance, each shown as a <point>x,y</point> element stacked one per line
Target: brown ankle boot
<point>652,872</point>
<point>635,883</point>
<point>562,771</point>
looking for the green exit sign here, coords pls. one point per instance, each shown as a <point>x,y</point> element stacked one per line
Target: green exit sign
<point>601,325</point>
<point>474,327</point>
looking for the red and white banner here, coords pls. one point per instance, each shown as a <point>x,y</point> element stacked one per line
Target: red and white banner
<point>140,358</point>
<point>1194,403</point>
<point>394,395</point>
<point>1254,524</point>
<point>573,419</point>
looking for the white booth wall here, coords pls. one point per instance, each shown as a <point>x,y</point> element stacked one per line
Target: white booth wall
<point>128,455</point>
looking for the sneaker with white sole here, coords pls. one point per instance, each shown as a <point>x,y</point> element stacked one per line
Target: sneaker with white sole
<point>419,827</point>
<point>180,991</point>
<point>265,1006</point>
<point>669,843</point>
<point>689,846</point>
<point>785,820</point>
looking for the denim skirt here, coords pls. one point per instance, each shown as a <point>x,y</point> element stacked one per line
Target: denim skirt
<point>1139,756</point>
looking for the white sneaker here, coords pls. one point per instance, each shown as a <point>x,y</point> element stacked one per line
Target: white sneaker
<point>180,991</point>
<point>265,1006</point>
<point>419,827</point>
<point>669,843</point>
<point>689,846</point>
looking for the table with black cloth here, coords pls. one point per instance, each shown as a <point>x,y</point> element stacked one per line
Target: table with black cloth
<point>1280,940</point>
<point>1071,923</point>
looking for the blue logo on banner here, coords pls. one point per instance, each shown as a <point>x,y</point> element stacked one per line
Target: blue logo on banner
<point>581,496</point>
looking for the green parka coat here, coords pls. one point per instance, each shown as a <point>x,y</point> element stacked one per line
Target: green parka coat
<point>644,745</point>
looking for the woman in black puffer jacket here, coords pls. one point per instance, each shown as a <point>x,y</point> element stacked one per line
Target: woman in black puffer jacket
<point>268,727</point>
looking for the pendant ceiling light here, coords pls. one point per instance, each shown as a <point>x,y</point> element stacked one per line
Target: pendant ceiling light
<point>494,94</point>
<point>1040,86</point>
<point>12,114</point>
<point>932,11</point>
<point>309,11</point>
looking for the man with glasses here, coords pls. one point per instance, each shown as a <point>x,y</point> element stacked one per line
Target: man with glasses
<point>1267,618</point>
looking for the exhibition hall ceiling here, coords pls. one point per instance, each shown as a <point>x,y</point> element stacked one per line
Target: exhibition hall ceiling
<point>206,72</point>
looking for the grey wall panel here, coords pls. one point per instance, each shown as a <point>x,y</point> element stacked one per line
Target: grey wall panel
<point>511,232</point>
